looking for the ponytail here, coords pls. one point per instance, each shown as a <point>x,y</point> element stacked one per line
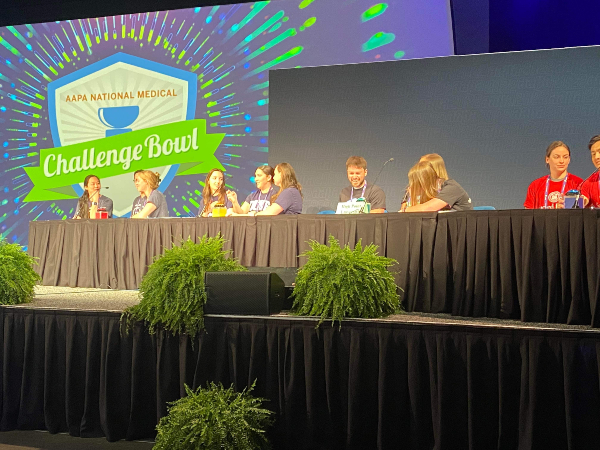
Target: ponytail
<point>83,206</point>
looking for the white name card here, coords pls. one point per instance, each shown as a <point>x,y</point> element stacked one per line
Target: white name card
<point>353,208</point>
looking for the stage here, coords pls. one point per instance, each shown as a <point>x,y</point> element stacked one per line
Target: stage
<point>410,380</point>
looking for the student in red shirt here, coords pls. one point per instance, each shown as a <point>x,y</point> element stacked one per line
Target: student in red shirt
<point>590,190</point>
<point>549,190</point>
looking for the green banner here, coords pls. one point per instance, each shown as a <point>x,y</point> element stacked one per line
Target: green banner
<point>185,143</point>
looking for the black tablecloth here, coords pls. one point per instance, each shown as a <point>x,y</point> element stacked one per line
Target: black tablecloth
<point>536,265</point>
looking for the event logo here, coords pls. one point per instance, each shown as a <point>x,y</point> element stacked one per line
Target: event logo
<point>118,115</point>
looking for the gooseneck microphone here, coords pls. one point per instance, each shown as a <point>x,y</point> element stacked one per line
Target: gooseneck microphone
<point>576,205</point>
<point>587,179</point>
<point>381,170</point>
<point>375,182</point>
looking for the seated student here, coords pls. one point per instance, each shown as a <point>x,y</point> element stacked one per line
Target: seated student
<point>356,169</point>
<point>590,189</point>
<point>151,202</point>
<point>91,200</point>
<point>259,199</point>
<point>440,168</point>
<point>548,191</point>
<point>428,192</point>
<point>214,193</point>
<point>289,198</point>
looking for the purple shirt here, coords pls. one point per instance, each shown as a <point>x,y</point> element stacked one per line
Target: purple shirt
<point>259,201</point>
<point>290,200</point>
<point>214,198</point>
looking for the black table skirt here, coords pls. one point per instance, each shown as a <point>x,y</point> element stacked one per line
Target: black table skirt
<point>533,265</point>
<point>366,385</point>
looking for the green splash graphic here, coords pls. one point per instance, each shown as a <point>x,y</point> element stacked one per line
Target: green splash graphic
<point>378,40</point>
<point>308,23</point>
<point>305,3</point>
<point>374,11</point>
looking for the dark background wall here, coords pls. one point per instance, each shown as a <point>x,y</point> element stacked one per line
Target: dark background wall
<point>491,117</point>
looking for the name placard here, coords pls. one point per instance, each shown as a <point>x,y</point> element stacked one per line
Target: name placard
<point>353,208</point>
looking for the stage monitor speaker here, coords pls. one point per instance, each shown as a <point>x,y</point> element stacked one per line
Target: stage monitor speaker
<point>288,275</point>
<point>244,293</point>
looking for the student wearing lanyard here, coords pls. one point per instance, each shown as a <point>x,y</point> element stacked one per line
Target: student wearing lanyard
<point>590,189</point>
<point>259,199</point>
<point>356,169</point>
<point>549,190</point>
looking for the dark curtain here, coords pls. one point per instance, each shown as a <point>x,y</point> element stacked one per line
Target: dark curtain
<point>532,265</point>
<point>368,384</point>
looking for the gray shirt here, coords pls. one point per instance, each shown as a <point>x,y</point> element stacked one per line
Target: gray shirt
<point>457,198</point>
<point>373,194</point>
<point>290,200</point>
<point>157,199</point>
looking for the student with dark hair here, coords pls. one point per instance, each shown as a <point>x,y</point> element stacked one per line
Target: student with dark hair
<point>548,191</point>
<point>151,203</point>
<point>259,199</point>
<point>214,193</point>
<point>289,198</point>
<point>356,169</point>
<point>91,200</point>
<point>590,189</point>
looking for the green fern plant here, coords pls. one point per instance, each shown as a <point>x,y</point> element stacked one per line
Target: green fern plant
<point>338,282</point>
<point>17,277</point>
<point>172,293</point>
<point>214,418</point>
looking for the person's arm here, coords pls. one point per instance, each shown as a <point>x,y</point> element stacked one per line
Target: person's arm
<point>272,210</point>
<point>145,212</point>
<point>377,200</point>
<point>235,206</point>
<point>435,204</point>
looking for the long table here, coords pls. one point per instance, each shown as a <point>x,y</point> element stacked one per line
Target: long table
<point>533,265</point>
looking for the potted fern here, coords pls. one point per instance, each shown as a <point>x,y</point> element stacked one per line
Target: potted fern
<point>338,282</point>
<point>214,418</point>
<point>17,277</point>
<point>172,293</point>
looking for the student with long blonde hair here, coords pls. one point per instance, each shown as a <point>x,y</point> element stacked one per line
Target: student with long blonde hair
<point>427,191</point>
<point>151,203</point>
<point>438,165</point>
<point>289,198</point>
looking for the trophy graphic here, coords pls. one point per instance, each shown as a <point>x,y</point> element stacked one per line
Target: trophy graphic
<point>118,118</point>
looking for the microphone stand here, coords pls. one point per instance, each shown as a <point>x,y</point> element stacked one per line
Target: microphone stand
<point>576,205</point>
<point>362,210</point>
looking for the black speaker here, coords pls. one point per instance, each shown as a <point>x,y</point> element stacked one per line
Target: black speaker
<point>244,293</point>
<point>288,275</point>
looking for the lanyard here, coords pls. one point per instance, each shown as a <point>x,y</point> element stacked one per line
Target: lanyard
<point>562,192</point>
<point>363,191</point>
<point>267,195</point>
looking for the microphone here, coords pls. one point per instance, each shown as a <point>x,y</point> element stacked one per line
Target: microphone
<point>587,179</point>
<point>381,170</point>
<point>375,182</point>
<point>581,184</point>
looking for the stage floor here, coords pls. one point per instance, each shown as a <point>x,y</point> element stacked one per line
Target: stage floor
<point>109,300</point>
